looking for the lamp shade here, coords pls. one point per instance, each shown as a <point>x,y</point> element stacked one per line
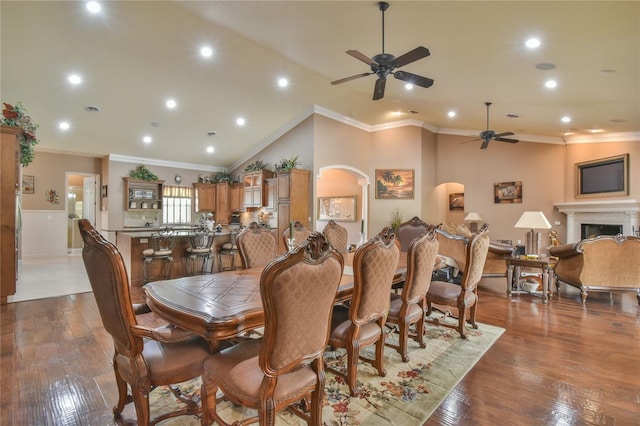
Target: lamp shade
<point>473,216</point>
<point>533,220</point>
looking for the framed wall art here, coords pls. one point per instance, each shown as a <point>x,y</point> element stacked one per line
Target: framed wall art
<point>395,184</point>
<point>507,192</point>
<point>340,209</point>
<point>456,201</point>
<point>28,184</point>
<point>103,191</point>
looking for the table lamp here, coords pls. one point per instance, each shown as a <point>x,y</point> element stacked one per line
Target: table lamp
<point>474,218</point>
<point>533,221</point>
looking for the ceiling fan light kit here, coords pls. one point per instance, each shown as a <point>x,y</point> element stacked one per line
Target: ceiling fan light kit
<point>385,64</point>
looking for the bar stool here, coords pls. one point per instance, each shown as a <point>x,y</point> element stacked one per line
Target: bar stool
<point>228,250</point>
<point>199,248</point>
<point>162,245</point>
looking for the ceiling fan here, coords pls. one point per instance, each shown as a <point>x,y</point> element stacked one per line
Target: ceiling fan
<point>489,135</point>
<point>384,64</point>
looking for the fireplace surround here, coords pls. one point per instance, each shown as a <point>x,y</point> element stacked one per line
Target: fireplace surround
<point>624,213</point>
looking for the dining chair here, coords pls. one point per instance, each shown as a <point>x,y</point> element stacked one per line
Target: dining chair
<point>465,295</point>
<point>286,365</point>
<point>300,233</point>
<point>408,308</point>
<point>409,230</point>
<point>144,357</point>
<point>162,244</point>
<point>199,248</point>
<point>257,246</point>
<point>337,236</point>
<point>362,323</point>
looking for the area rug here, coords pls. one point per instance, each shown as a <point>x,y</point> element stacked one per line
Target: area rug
<point>408,395</point>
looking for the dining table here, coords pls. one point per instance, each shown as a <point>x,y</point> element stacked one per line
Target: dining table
<point>225,305</point>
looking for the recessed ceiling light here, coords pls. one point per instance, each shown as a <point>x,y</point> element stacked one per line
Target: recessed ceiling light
<point>64,125</point>
<point>93,7</point>
<point>566,119</point>
<point>408,86</point>
<point>545,66</point>
<point>595,130</point>
<point>147,139</point>
<point>550,84</point>
<point>206,52</point>
<point>74,79</point>
<point>240,121</point>
<point>210,149</point>
<point>91,108</point>
<point>283,82</point>
<point>451,114</point>
<point>532,43</point>
<point>171,104</point>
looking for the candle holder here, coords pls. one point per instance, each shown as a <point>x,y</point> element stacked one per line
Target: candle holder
<point>291,243</point>
<point>362,240</point>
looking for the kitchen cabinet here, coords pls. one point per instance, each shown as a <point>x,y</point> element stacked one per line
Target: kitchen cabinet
<point>293,201</point>
<point>10,184</point>
<point>205,197</point>
<point>270,199</point>
<point>237,197</point>
<point>254,187</point>
<point>142,195</point>
<point>223,203</point>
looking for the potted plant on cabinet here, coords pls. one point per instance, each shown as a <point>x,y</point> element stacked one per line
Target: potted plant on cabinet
<point>287,164</point>
<point>16,116</point>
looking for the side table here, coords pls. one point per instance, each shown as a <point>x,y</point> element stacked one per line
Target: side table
<point>545,264</point>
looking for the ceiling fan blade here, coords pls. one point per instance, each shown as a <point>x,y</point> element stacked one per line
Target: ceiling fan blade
<point>499,135</point>
<point>353,77</point>
<point>485,144</point>
<point>361,56</point>
<point>507,140</point>
<point>411,56</point>
<point>413,79</point>
<point>378,90</point>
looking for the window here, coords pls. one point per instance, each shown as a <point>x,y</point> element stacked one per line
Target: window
<point>176,205</point>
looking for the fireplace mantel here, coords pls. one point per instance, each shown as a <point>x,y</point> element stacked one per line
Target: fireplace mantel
<point>609,212</point>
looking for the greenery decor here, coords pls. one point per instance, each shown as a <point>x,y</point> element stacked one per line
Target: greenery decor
<point>222,177</point>
<point>287,164</point>
<point>16,116</point>
<point>396,219</point>
<point>142,173</point>
<point>256,166</point>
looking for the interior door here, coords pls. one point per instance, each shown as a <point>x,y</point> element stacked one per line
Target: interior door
<point>89,199</point>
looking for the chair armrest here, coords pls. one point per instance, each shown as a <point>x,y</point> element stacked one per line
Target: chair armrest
<point>502,249</point>
<point>165,334</point>
<point>564,250</point>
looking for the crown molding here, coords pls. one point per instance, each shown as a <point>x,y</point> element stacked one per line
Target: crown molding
<point>164,163</point>
<point>604,137</point>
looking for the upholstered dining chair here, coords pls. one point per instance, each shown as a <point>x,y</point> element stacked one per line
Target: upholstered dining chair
<point>285,366</point>
<point>199,249</point>
<point>362,323</point>
<point>409,230</point>
<point>337,236</point>
<point>408,308</point>
<point>144,357</point>
<point>300,233</point>
<point>257,246</point>
<point>464,296</point>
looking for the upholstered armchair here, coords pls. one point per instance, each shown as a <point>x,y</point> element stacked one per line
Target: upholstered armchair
<point>286,365</point>
<point>409,230</point>
<point>257,246</point>
<point>363,322</point>
<point>144,357</point>
<point>337,236</point>
<point>605,263</point>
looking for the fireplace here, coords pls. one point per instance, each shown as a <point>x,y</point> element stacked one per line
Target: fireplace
<point>614,217</point>
<point>590,230</point>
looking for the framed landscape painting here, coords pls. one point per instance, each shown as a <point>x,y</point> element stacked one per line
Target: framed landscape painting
<point>507,192</point>
<point>395,184</point>
<point>456,201</point>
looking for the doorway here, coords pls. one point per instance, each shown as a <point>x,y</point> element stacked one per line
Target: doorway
<point>81,203</point>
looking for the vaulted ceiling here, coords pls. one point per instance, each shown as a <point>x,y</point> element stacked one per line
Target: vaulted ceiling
<point>133,56</point>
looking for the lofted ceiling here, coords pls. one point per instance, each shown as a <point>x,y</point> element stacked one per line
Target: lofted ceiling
<point>134,55</point>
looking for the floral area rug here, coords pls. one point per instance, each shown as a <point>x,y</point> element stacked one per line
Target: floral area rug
<point>407,395</point>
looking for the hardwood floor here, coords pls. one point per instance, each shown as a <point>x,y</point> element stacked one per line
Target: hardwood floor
<point>561,363</point>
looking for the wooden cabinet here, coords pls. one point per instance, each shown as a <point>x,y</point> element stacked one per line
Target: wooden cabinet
<point>293,201</point>
<point>205,197</point>
<point>142,195</point>
<point>254,187</point>
<point>10,185</point>
<point>223,203</point>
<point>237,197</point>
<point>270,198</point>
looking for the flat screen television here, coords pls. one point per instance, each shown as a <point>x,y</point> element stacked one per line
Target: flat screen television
<point>603,177</point>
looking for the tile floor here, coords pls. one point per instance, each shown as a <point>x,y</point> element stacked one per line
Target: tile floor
<point>42,277</point>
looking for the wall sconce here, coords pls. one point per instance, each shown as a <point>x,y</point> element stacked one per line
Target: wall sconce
<point>533,221</point>
<point>474,218</point>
